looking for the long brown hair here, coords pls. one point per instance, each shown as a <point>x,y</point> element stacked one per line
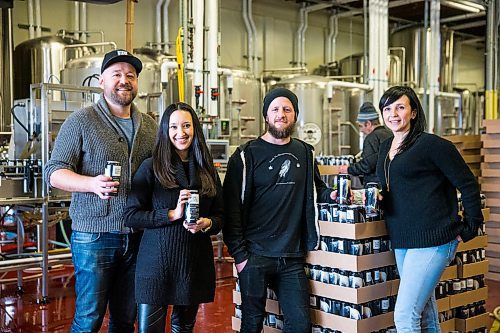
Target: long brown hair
<point>164,150</point>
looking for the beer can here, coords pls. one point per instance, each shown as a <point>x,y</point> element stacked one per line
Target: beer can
<point>114,170</point>
<point>191,212</point>
<point>371,196</point>
<point>344,189</point>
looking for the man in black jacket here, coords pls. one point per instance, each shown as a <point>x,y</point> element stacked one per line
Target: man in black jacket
<point>369,125</point>
<point>271,188</point>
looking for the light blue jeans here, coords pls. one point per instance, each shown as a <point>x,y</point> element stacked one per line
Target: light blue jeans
<point>420,270</point>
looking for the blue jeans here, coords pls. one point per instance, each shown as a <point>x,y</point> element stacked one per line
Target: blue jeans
<point>420,270</point>
<point>287,278</point>
<point>105,272</point>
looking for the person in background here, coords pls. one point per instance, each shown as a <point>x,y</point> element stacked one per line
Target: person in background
<point>375,133</point>
<point>104,250</point>
<point>175,265</point>
<point>271,188</point>
<point>420,174</point>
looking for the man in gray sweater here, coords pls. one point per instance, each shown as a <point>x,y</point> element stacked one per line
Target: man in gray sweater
<point>104,250</point>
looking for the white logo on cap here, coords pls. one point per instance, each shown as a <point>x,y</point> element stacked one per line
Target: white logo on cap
<point>121,52</point>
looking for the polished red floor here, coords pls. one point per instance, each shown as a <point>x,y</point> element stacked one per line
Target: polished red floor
<point>23,314</point>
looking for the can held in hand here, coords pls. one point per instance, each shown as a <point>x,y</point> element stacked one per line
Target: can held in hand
<point>344,189</point>
<point>114,170</point>
<point>192,209</point>
<point>371,195</point>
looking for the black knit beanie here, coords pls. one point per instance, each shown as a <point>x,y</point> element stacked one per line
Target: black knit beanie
<point>280,92</point>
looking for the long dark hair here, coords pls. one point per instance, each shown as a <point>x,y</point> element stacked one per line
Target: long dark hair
<point>164,150</point>
<point>417,124</point>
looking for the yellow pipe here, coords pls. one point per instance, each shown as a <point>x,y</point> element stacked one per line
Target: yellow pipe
<point>180,63</point>
<point>491,104</point>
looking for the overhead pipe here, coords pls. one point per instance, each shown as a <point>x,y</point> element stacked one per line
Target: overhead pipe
<point>38,19</point>
<point>255,58</point>
<point>250,41</point>
<point>83,22</point>
<point>159,39</point>
<point>301,38</point>
<point>373,47</point>
<point>31,20</point>
<point>343,84</point>
<point>212,54</point>
<point>129,24</point>
<point>166,33</point>
<point>229,75</point>
<point>198,47</point>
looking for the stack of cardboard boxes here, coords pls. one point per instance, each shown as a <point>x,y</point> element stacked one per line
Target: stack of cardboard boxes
<point>490,186</point>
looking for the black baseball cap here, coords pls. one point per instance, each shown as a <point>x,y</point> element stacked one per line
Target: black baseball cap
<point>120,55</point>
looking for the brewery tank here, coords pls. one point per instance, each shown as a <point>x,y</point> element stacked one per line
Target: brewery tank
<point>40,60</point>
<point>322,123</point>
<point>241,107</point>
<point>85,71</point>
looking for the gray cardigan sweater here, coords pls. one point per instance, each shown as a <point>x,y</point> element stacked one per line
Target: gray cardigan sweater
<point>87,139</point>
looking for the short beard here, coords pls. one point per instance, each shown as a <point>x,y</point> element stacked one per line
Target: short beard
<point>283,133</point>
<point>123,101</point>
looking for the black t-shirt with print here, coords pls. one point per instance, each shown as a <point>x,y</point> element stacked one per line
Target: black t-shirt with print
<point>276,217</point>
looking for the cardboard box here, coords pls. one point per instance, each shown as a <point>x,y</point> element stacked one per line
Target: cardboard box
<point>473,269</point>
<point>450,272</point>
<point>236,324</point>
<point>328,169</point>
<point>347,325</point>
<point>468,297</point>
<point>470,324</point>
<point>486,214</point>
<point>475,243</point>
<point>443,304</point>
<point>272,306</point>
<point>353,231</point>
<point>447,326</point>
<point>350,262</point>
<point>352,295</point>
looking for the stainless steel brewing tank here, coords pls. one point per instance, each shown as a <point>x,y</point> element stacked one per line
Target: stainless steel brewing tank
<point>412,39</point>
<point>40,60</point>
<point>79,72</point>
<point>242,107</point>
<point>318,120</point>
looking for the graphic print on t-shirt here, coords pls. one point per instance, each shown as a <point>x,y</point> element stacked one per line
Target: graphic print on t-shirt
<point>285,162</point>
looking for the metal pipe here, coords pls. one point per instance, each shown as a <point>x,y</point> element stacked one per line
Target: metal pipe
<point>365,41</point>
<point>343,84</point>
<point>384,42</point>
<point>434,61</point>
<point>212,13</point>
<point>76,25</point>
<point>198,42</point>
<point>129,25</point>
<point>255,57</point>
<point>33,259</point>
<point>425,48</point>
<point>491,93</point>
<point>38,19</point>
<point>248,29</point>
<point>298,37</point>
<point>31,20</point>
<point>331,39</point>
<point>83,21</point>
<point>166,33</point>
<point>462,17</point>
<point>159,39</point>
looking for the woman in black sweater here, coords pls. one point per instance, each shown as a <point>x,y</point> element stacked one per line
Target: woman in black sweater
<point>175,264</point>
<point>420,174</point>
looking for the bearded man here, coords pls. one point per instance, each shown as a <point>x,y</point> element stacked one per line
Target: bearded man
<point>104,251</point>
<point>271,188</point>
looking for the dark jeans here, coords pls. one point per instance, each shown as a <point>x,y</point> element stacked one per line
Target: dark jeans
<point>287,278</point>
<point>105,275</point>
<point>152,318</point>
